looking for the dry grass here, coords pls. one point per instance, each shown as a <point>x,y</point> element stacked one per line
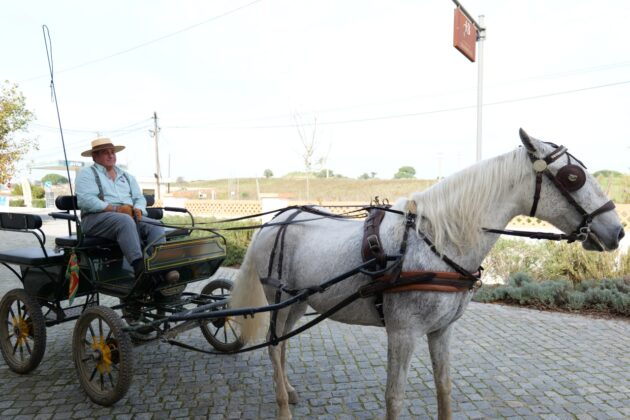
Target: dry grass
<point>320,189</point>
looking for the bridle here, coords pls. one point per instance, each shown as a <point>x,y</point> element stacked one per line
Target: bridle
<point>568,179</point>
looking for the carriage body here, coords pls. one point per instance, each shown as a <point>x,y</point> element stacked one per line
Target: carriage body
<point>104,331</point>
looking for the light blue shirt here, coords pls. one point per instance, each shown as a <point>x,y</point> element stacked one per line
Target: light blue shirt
<point>116,193</point>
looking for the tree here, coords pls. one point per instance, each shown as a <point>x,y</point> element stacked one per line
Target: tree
<point>308,141</point>
<point>365,175</point>
<point>268,173</point>
<point>55,179</point>
<point>325,173</point>
<point>14,118</point>
<point>405,172</point>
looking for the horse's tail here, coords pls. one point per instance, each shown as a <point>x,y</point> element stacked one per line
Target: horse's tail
<point>248,292</point>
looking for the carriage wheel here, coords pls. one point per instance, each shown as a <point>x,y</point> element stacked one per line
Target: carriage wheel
<point>22,331</point>
<point>222,333</point>
<point>102,354</point>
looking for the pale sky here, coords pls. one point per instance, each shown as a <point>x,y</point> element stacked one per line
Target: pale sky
<point>380,77</point>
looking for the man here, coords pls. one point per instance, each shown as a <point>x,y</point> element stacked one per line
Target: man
<point>113,206</point>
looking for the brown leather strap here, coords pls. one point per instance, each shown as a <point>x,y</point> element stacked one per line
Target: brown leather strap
<point>433,281</point>
<point>371,246</point>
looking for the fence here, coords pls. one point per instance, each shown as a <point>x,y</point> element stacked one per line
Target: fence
<point>224,209</point>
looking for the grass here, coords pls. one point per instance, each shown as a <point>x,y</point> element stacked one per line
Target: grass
<point>617,186</point>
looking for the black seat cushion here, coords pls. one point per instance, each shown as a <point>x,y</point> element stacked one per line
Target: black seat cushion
<point>31,256</point>
<point>20,221</point>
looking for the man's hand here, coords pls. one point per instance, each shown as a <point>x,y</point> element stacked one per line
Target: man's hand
<point>125,208</point>
<point>138,213</point>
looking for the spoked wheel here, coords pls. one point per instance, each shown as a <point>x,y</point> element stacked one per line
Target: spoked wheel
<point>102,354</point>
<point>22,331</point>
<point>222,333</point>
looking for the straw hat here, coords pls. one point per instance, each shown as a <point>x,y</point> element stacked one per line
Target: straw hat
<point>101,144</point>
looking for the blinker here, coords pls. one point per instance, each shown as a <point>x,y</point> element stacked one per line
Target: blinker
<point>571,177</point>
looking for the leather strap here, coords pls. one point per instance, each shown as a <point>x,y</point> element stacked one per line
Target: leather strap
<point>371,245</point>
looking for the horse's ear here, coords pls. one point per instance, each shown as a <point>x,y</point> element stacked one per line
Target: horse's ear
<point>527,141</point>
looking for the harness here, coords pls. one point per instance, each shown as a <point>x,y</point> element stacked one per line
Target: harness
<point>394,280</point>
<point>568,179</point>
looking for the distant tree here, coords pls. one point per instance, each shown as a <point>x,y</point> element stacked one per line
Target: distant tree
<point>372,175</point>
<point>14,118</point>
<point>325,173</point>
<point>55,179</point>
<point>268,173</point>
<point>364,176</point>
<point>405,172</point>
<point>180,180</point>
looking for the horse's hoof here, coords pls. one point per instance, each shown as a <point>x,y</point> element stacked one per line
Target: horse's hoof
<point>293,397</point>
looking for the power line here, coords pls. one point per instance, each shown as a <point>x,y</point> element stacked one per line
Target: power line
<point>122,130</point>
<point>414,114</point>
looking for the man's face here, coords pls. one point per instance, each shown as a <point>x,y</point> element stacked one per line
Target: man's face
<point>105,157</point>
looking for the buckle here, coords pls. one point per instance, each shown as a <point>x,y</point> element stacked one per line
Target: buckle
<point>583,233</point>
<point>374,243</point>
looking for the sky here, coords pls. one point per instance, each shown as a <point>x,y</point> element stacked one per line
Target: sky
<point>375,84</point>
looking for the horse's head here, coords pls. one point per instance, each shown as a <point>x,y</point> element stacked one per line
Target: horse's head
<point>570,198</point>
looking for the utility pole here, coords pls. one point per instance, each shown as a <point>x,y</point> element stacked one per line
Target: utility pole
<point>481,36</point>
<point>154,132</point>
<point>467,35</point>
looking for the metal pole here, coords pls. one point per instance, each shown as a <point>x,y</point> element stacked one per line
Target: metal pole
<point>157,156</point>
<point>482,37</point>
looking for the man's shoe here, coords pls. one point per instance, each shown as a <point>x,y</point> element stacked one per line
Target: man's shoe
<point>172,277</point>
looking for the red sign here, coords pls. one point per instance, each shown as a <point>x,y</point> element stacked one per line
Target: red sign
<point>464,35</point>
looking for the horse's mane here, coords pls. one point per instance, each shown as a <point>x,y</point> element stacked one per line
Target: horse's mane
<point>452,209</point>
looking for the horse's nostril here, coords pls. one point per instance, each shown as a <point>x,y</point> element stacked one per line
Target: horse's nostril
<point>621,234</point>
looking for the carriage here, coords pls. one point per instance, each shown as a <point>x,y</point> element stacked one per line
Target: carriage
<point>104,336</point>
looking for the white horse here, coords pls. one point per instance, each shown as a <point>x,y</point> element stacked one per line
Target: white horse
<point>452,214</point>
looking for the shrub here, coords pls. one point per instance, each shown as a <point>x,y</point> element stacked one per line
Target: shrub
<point>17,203</point>
<point>37,191</point>
<point>237,241</point>
<point>552,260</point>
<point>519,279</point>
<point>39,203</point>
<point>610,296</point>
<point>17,189</point>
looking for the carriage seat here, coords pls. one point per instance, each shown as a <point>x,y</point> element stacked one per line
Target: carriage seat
<point>68,203</point>
<point>29,256</point>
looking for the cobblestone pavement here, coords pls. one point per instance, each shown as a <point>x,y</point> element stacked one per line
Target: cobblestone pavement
<point>507,363</point>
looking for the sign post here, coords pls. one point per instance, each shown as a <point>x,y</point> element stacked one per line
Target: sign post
<point>466,33</point>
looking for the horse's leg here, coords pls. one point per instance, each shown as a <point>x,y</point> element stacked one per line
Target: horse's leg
<point>279,375</point>
<point>295,313</point>
<point>439,350</point>
<point>400,346</point>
